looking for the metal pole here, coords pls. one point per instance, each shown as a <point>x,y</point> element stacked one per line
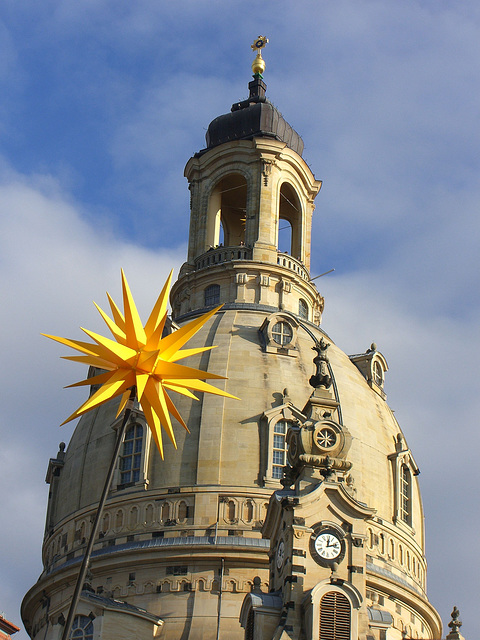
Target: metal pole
<point>88,551</point>
<point>220,591</point>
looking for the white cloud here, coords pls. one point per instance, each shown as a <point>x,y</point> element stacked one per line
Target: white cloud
<point>53,264</point>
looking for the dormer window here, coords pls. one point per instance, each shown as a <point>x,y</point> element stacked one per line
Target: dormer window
<point>404,468</point>
<point>373,366</point>
<point>275,426</point>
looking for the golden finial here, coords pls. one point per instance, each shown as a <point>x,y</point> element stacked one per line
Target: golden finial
<point>258,65</point>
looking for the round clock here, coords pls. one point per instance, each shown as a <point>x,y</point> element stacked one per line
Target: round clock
<point>327,546</point>
<point>280,554</point>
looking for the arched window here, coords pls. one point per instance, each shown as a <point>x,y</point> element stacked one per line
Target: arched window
<point>212,295</point>
<point>82,628</point>
<point>130,463</point>
<point>279,458</point>
<point>227,209</point>
<point>406,494</point>
<point>335,617</point>
<point>303,309</point>
<point>378,376</point>
<point>284,236</point>
<point>289,223</point>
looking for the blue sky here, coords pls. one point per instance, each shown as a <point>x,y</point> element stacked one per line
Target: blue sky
<point>104,101</point>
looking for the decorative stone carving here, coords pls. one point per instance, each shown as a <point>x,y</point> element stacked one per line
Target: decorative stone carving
<point>322,377</point>
<point>267,170</point>
<point>455,624</point>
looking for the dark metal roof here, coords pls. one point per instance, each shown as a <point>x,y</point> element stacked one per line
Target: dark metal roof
<point>229,541</point>
<point>379,615</point>
<point>253,118</point>
<point>120,605</point>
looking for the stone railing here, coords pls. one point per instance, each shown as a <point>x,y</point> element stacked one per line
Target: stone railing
<point>222,254</point>
<point>286,260</point>
<point>218,255</point>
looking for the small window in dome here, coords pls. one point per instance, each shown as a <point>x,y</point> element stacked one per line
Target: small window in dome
<point>282,333</point>
<point>212,295</point>
<point>303,309</point>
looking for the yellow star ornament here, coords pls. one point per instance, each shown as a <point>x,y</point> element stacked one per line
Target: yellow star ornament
<point>140,357</point>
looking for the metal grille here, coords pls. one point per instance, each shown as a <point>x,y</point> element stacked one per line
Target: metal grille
<point>249,629</point>
<point>335,616</point>
<point>212,295</point>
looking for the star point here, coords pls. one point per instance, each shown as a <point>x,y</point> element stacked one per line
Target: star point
<point>139,356</point>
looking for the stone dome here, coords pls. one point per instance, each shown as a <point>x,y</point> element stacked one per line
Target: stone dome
<point>227,444</point>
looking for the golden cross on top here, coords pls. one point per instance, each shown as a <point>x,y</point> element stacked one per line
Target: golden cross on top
<point>259,43</point>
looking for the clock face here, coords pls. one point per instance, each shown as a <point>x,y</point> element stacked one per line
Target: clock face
<point>280,554</point>
<point>328,546</point>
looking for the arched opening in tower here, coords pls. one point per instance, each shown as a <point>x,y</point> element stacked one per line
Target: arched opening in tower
<point>227,212</point>
<point>284,236</point>
<point>290,222</point>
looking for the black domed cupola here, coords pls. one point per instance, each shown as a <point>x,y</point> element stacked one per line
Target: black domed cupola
<point>254,117</point>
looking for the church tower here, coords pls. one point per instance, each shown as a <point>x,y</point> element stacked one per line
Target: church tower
<point>195,547</point>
